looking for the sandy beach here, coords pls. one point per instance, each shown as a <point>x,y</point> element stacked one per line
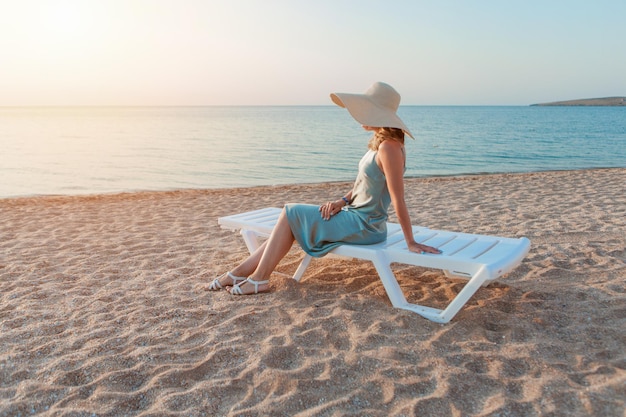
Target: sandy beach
<point>102,311</point>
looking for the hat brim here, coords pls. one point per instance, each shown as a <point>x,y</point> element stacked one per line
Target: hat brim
<point>368,113</point>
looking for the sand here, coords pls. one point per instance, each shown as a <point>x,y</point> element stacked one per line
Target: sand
<point>102,311</point>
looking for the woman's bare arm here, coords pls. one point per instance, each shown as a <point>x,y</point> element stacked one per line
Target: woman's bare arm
<point>391,159</point>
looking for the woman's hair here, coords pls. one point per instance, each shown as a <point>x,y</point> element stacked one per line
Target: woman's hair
<point>383,134</point>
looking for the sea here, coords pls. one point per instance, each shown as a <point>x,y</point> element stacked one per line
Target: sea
<point>96,150</point>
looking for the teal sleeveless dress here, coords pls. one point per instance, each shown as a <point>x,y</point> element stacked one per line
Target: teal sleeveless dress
<point>362,222</point>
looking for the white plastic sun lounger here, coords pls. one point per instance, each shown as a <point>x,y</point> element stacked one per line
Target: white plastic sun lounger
<point>479,259</point>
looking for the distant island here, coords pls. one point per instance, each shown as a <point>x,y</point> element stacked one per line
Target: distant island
<point>606,101</point>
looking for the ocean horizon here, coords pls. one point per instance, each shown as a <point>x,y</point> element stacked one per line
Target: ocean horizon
<point>96,150</point>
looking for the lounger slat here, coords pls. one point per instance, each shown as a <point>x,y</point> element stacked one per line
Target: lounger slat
<point>267,213</point>
<point>262,220</point>
<point>500,250</point>
<point>443,241</point>
<point>455,244</point>
<point>505,256</point>
<point>478,247</point>
<point>487,248</point>
<point>393,241</point>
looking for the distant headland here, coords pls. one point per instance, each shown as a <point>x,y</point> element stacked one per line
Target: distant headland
<point>606,101</point>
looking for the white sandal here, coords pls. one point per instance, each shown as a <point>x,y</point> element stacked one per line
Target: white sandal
<point>236,290</point>
<point>215,285</point>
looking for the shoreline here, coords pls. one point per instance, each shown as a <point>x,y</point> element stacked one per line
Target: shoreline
<point>311,184</point>
<point>102,309</point>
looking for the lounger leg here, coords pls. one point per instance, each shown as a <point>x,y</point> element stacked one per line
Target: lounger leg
<point>251,239</point>
<point>302,267</point>
<point>394,292</point>
<point>462,297</point>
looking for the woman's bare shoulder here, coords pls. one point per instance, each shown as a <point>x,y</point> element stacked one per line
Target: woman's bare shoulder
<point>391,147</point>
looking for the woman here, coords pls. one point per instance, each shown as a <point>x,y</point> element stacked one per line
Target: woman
<point>359,217</point>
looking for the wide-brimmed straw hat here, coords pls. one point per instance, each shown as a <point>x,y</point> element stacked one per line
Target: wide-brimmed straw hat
<point>377,107</point>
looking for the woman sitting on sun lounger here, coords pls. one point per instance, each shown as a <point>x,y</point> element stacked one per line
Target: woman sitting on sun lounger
<point>359,217</point>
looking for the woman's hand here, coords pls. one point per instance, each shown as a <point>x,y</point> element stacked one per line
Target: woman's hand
<point>419,248</point>
<point>331,208</point>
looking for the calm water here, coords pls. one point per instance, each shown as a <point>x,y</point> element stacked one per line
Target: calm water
<point>100,150</point>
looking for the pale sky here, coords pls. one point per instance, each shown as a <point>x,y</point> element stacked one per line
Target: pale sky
<point>295,52</point>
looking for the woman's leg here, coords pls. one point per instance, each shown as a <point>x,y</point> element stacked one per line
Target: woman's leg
<point>250,264</point>
<point>274,249</point>
<point>239,273</point>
